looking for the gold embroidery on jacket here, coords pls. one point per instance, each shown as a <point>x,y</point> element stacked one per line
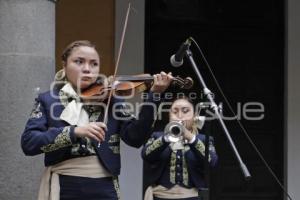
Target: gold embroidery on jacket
<point>62,140</point>
<point>90,146</point>
<point>114,143</point>
<point>75,150</point>
<point>117,187</point>
<point>36,112</point>
<point>156,144</point>
<point>173,167</point>
<point>150,141</point>
<point>185,173</point>
<point>115,149</point>
<point>114,138</point>
<point>201,148</point>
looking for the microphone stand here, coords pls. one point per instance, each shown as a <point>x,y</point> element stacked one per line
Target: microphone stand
<point>215,108</point>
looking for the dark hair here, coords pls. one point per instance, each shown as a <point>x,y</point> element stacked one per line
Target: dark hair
<point>68,50</point>
<point>161,123</point>
<point>184,97</point>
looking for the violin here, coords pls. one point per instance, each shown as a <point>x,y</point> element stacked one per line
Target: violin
<point>127,85</point>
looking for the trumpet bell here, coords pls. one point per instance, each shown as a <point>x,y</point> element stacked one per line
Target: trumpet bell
<point>174,131</point>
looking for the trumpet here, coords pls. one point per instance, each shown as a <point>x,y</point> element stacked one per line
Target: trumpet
<point>174,131</point>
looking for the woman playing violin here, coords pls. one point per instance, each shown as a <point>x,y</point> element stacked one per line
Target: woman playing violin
<point>82,154</point>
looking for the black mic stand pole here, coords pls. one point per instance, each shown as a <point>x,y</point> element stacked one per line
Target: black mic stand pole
<point>215,108</point>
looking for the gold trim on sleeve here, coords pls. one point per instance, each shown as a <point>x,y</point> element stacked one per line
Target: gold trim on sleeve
<point>36,112</point>
<point>156,144</point>
<point>62,140</point>
<point>200,146</point>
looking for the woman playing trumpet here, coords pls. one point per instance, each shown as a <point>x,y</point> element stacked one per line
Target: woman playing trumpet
<point>177,168</point>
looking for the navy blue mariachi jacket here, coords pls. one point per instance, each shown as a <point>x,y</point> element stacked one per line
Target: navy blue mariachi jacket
<point>46,133</point>
<point>183,167</point>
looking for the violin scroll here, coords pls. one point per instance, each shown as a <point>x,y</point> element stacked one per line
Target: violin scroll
<point>186,83</point>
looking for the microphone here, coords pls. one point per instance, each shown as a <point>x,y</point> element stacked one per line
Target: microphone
<point>176,60</point>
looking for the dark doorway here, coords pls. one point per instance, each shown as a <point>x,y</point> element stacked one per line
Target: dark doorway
<point>244,44</point>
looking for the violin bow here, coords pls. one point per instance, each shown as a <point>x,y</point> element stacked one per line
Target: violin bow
<point>105,118</point>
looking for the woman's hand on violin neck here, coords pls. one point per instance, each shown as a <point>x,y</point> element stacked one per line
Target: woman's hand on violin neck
<point>93,130</point>
<point>161,82</point>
